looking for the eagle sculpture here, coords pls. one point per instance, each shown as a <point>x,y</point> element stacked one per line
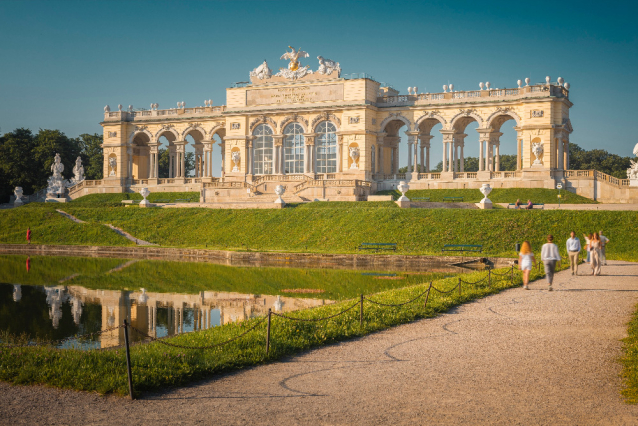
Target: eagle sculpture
<point>294,58</point>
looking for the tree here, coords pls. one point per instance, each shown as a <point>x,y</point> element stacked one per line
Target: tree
<point>17,167</point>
<point>164,163</point>
<point>598,159</point>
<point>92,155</point>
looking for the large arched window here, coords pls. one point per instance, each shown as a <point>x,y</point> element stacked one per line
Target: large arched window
<point>294,144</point>
<point>326,147</point>
<point>262,150</point>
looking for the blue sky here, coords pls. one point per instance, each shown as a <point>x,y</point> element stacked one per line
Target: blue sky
<point>62,61</point>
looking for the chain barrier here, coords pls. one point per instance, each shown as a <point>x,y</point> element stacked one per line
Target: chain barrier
<point>504,273</point>
<point>216,345</point>
<point>315,320</point>
<point>59,341</point>
<point>396,304</point>
<point>447,292</point>
<point>475,282</point>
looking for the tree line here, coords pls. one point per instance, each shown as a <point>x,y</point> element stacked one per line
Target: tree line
<point>26,159</point>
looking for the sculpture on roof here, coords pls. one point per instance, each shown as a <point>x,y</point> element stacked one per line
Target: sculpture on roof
<point>327,66</point>
<point>294,71</point>
<point>262,71</point>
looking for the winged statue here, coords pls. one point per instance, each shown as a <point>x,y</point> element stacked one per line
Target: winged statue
<point>294,58</point>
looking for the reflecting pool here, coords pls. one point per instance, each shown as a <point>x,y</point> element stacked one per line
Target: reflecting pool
<point>52,298</point>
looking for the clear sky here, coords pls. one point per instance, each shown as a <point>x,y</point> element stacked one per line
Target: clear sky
<point>61,62</point>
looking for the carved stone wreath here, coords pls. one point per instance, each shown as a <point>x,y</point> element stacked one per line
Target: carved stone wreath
<point>325,116</point>
<point>263,119</point>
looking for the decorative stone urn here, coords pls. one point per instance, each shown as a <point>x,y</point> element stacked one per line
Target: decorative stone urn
<point>403,201</point>
<point>279,190</point>
<point>485,203</point>
<point>235,156</point>
<point>144,192</point>
<point>354,154</point>
<point>537,149</point>
<point>18,193</point>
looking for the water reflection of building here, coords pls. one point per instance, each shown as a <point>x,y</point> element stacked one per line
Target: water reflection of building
<point>141,309</point>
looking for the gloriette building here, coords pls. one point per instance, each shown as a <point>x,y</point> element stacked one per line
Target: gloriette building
<point>325,135</point>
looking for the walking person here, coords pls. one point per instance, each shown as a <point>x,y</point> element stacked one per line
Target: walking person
<point>603,245</point>
<point>525,262</point>
<point>588,246</point>
<point>573,250</point>
<point>594,248</point>
<point>549,256</point>
<point>28,235</point>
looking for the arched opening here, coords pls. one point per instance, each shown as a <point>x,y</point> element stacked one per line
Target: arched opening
<point>166,154</point>
<point>506,154</point>
<point>216,157</point>
<point>390,158</point>
<point>294,147</point>
<point>263,150</point>
<point>326,142</point>
<point>141,156</point>
<point>429,144</point>
<point>194,157</point>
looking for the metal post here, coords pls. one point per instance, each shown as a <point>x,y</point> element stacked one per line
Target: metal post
<point>268,331</point>
<point>425,305</point>
<point>489,277</point>
<point>361,312</point>
<point>512,274</point>
<point>128,361</point>
<point>459,287</point>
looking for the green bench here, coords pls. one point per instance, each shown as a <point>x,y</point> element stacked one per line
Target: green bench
<point>474,248</point>
<point>540,206</point>
<point>420,199</point>
<point>377,246</point>
<point>160,201</point>
<point>452,198</point>
<point>186,200</point>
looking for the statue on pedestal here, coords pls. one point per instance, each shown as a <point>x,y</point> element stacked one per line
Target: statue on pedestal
<point>78,173</point>
<point>632,171</point>
<point>55,184</point>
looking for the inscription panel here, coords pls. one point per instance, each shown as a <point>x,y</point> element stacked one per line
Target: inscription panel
<point>294,95</point>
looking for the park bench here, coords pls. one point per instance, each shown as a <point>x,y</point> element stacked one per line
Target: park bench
<point>452,198</point>
<point>161,201</point>
<point>540,206</point>
<point>475,248</point>
<point>377,246</point>
<point>420,199</point>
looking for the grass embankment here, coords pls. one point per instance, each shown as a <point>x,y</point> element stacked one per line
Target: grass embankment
<point>498,195</point>
<point>157,366</point>
<point>629,361</point>
<point>311,228</point>
<point>101,200</point>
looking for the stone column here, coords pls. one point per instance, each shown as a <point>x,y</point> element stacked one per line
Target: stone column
<point>278,155</point>
<point>380,144</point>
<point>462,157</point>
<point>519,141</point>
<point>222,146</point>
<point>339,153</point>
<point>560,160</point>
<point>249,155</point>
<point>448,140</point>
<point>455,149</point>
<point>396,159</point>
<point>566,150</point>
<point>494,150</point>
<point>413,139</point>
<point>410,144</point>
<point>309,161</point>
<point>497,164</point>
<point>444,157</point>
<point>484,147</point>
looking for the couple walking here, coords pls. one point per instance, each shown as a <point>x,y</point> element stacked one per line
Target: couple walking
<point>596,255</point>
<point>549,257</point>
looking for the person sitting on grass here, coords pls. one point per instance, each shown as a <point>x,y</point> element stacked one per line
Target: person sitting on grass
<point>530,205</point>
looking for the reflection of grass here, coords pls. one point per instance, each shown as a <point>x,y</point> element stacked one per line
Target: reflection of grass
<point>191,277</point>
<point>156,366</point>
<point>498,195</point>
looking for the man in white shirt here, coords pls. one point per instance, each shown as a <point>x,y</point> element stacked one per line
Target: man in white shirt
<point>549,256</point>
<point>603,243</point>
<point>573,250</point>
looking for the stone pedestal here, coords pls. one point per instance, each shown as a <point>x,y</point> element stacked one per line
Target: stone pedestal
<point>404,204</point>
<point>484,205</point>
<point>633,182</point>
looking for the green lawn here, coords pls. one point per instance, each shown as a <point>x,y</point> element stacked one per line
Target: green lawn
<point>498,195</point>
<point>157,366</point>
<point>629,361</point>
<point>313,228</point>
<point>103,200</point>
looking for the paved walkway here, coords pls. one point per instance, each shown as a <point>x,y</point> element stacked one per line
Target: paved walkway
<point>609,207</point>
<point>519,357</point>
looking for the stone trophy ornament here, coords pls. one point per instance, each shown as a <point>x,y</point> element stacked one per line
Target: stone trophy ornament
<point>279,190</point>
<point>113,166</point>
<point>485,203</point>
<point>144,192</point>
<point>294,71</point>
<point>235,156</point>
<point>55,184</point>
<point>18,193</point>
<point>354,155</point>
<point>537,150</point>
<point>78,173</point>
<point>107,109</point>
<point>403,187</point>
<point>261,72</point>
<point>327,66</point>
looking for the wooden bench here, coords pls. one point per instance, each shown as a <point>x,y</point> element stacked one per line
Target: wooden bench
<point>420,199</point>
<point>377,246</point>
<point>475,248</point>
<point>452,198</point>
<point>541,206</point>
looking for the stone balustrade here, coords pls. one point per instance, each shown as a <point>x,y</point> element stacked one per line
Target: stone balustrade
<point>488,95</point>
<point>152,114</point>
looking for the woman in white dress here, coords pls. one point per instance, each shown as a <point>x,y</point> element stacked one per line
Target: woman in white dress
<point>525,262</point>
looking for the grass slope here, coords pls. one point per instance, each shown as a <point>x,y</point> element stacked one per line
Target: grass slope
<point>157,366</point>
<point>311,228</point>
<point>498,195</point>
<point>629,361</point>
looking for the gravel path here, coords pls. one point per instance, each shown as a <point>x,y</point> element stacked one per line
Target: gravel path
<point>519,357</point>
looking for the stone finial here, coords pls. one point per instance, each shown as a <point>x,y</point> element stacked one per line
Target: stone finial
<point>560,81</point>
<point>107,109</point>
<point>409,90</point>
<point>416,90</point>
<point>445,88</point>
<point>130,108</point>
<point>451,87</point>
<point>487,85</point>
<point>548,79</point>
<point>527,80</point>
<point>119,107</point>
<point>519,82</point>
<point>481,85</point>
<point>567,86</point>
